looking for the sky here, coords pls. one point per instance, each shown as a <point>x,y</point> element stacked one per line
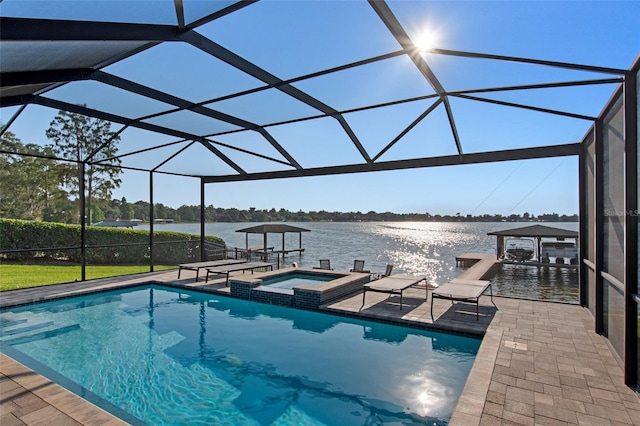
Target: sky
<point>289,39</point>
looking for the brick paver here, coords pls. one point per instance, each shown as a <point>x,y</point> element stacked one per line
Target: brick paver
<point>26,398</point>
<point>539,363</point>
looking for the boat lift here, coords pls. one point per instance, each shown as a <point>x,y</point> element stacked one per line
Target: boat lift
<point>538,245</point>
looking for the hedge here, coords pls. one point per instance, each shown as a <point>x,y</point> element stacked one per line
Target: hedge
<point>125,246</point>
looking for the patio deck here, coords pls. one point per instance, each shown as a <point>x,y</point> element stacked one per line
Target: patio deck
<point>539,362</point>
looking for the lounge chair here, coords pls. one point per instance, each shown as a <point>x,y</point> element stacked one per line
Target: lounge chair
<point>395,284</point>
<point>462,290</point>
<point>228,269</point>
<point>324,264</point>
<point>358,266</point>
<point>196,266</point>
<point>386,273</point>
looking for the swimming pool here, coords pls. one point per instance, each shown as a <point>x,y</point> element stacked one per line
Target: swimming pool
<point>159,355</point>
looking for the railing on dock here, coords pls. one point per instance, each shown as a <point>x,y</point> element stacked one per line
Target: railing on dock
<point>251,254</point>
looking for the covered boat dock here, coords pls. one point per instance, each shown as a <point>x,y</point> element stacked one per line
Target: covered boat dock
<point>275,228</point>
<point>512,245</point>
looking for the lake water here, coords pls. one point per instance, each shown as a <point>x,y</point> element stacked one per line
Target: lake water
<point>425,248</point>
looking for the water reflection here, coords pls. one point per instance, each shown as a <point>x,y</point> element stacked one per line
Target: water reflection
<point>385,334</point>
<point>532,282</point>
<point>426,396</point>
<point>316,369</point>
<point>252,311</point>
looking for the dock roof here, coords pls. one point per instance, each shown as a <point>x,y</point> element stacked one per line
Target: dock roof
<point>272,228</point>
<point>540,231</point>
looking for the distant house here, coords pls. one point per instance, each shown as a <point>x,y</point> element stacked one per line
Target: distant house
<point>162,220</point>
<point>117,223</point>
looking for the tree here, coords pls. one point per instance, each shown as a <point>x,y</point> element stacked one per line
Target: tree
<point>141,210</point>
<point>90,141</point>
<point>98,214</point>
<point>30,182</point>
<point>186,214</point>
<point>211,214</point>
<point>126,210</point>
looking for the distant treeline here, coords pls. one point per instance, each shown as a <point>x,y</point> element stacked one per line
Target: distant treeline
<point>35,187</point>
<point>140,210</point>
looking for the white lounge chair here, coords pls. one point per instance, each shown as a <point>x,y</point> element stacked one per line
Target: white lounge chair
<point>196,266</point>
<point>462,290</point>
<point>395,284</point>
<point>228,269</point>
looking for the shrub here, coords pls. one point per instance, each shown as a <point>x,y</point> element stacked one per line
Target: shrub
<point>24,241</point>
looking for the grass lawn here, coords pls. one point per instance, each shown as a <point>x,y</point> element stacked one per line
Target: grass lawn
<point>23,276</point>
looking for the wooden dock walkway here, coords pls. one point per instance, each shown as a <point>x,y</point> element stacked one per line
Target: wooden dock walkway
<point>481,265</point>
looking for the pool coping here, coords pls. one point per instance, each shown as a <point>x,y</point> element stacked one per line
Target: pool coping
<point>29,398</point>
<point>529,368</point>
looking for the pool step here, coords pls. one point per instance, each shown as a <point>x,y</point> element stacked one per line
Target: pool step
<point>18,330</point>
<point>18,340</point>
<point>74,305</point>
<point>9,319</point>
<point>25,328</point>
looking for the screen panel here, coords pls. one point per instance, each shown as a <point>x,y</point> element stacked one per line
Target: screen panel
<point>613,194</point>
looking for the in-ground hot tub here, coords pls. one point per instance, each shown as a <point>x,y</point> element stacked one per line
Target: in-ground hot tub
<point>299,287</point>
<point>295,279</point>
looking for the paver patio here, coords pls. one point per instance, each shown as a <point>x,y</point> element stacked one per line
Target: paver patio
<point>539,363</point>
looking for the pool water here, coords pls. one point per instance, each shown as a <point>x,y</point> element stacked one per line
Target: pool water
<point>296,279</point>
<point>158,355</point>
